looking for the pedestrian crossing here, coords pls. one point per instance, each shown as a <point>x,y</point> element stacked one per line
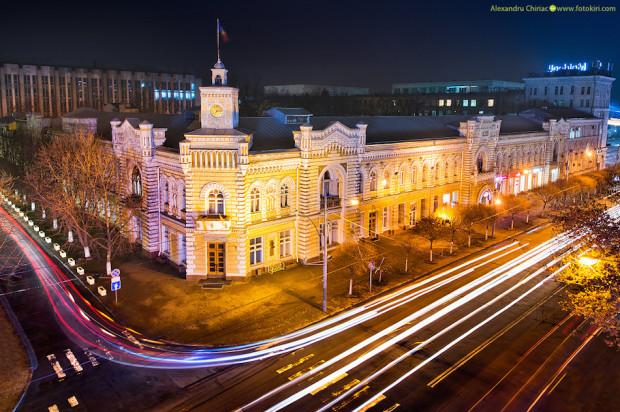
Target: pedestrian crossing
<point>70,362</point>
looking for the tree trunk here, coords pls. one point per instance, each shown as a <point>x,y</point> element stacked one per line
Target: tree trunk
<point>486,231</point>
<point>493,229</point>
<point>55,224</point>
<point>451,246</point>
<point>406,262</point>
<point>86,252</point>
<point>70,236</point>
<point>469,239</point>
<point>430,252</point>
<point>512,222</point>
<point>108,263</point>
<point>527,217</point>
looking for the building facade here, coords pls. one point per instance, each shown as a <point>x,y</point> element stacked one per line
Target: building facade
<point>586,87</point>
<point>241,196</point>
<point>54,91</point>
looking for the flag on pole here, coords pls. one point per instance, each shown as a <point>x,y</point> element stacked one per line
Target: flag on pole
<point>222,33</point>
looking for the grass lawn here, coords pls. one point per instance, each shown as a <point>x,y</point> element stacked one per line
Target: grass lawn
<point>15,371</point>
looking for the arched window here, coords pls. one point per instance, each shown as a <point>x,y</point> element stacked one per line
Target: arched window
<point>455,170</point>
<point>402,177</point>
<point>284,196</point>
<point>386,179</point>
<point>218,80</point>
<point>437,171</point>
<point>413,175</point>
<point>425,173</point>
<point>255,200</point>
<point>480,163</point>
<point>445,170</point>
<point>136,182</point>
<point>215,203</point>
<point>271,198</point>
<point>372,178</point>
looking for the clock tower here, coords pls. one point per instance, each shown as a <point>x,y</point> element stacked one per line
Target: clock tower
<point>219,103</point>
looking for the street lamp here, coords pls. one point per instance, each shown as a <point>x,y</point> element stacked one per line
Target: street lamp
<point>588,261</point>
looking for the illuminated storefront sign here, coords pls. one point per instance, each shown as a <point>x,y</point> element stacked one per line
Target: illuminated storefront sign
<point>582,67</point>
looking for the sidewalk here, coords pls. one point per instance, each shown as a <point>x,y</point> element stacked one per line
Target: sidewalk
<point>155,301</point>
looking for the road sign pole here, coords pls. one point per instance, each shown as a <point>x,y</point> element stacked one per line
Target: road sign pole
<point>116,296</point>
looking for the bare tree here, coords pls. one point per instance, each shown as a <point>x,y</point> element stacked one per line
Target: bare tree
<point>78,178</point>
<point>430,228</point>
<point>471,214</point>
<point>6,182</point>
<point>546,194</point>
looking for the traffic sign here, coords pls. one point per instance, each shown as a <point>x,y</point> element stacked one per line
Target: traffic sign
<point>116,272</point>
<point>116,283</point>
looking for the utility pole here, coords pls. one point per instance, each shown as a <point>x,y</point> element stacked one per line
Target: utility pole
<point>325,186</point>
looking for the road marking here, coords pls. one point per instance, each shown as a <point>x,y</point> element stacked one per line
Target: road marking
<point>93,360</point>
<point>56,366</point>
<point>563,367</point>
<point>292,365</point>
<point>328,384</point>
<point>74,362</point>
<point>557,383</point>
<point>73,402</point>
<point>522,358</point>
<point>346,387</point>
<point>375,401</point>
<point>392,408</point>
<point>488,342</point>
<point>301,372</point>
<point>356,395</point>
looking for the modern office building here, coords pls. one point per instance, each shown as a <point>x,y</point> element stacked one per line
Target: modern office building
<point>459,97</point>
<point>583,86</point>
<point>54,91</point>
<point>313,90</point>
<point>244,195</point>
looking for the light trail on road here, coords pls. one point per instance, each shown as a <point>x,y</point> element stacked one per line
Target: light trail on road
<point>90,326</point>
<point>470,291</point>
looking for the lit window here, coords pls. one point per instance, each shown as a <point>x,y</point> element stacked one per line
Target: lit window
<point>373,181</point>
<point>256,250</point>
<point>445,199</point>
<point>136,182</point>
<point>255,200</point>
<point>465,103</point>
<point>215,203</point>
<point>473,103</point>
<point>448,102</point>
<point>386,218</point>
<point>491,102</point>
<point>285,243</point>
<point>441,102</point>
<point>284,196</point>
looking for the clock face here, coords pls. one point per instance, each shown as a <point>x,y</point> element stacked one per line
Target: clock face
<point>217,110</point>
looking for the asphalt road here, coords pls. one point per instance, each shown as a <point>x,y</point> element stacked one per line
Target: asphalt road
<point>486,335</point>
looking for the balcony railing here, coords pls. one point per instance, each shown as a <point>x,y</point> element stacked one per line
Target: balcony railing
<point>332,201</point>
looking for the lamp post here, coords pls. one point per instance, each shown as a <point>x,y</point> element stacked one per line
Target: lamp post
<point>325,191</point>
<point>497,203</point>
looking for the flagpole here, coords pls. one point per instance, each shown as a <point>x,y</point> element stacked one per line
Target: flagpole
<point>217,36</point>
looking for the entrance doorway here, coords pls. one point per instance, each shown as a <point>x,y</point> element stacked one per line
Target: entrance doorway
<point>215,259</point>
<point>372,224</point>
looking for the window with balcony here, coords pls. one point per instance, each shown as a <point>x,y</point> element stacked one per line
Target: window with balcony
<point>330,191</point>
<point>215,203</point>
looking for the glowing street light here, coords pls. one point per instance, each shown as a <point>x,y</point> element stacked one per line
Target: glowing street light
<point>588,261</point>
<point>498,202</point>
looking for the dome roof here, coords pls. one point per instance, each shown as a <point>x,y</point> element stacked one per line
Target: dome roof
<point>219,65</point>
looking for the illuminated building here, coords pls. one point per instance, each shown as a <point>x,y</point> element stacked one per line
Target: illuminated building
<point>240,196</point>
<point>54,91</point>
<point>583,86</point>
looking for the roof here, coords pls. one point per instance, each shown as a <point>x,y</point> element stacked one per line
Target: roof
<point>291,111</point>
<point>556,113</point>
<point>176,124</point>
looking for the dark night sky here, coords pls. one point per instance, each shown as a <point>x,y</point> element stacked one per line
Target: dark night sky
<point>334,42</point>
